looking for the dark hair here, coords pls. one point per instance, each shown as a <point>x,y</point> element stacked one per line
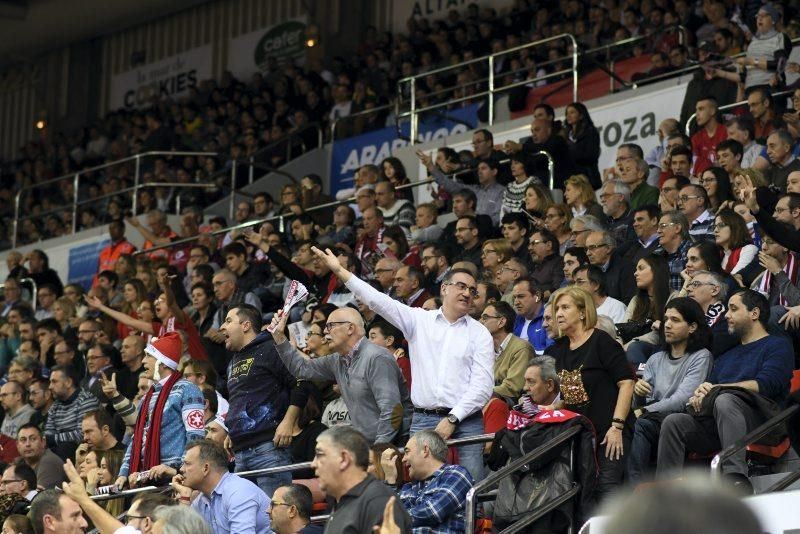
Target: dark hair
<point>579,253</point>
<point>207,289</point>
<point>744,123</point>
<point>492,293</point>
<point>734,146</point>
<point>396,233</point>
<point>709,253</point>
<point>794,200</point>
<point>23,471</point>
<point>301,498</point>
<point>740,235</point>
<point>148,502</point>
<point>387,330</point>
<point>645,308</point>
<point>547,109</point>
<point>595,275</point>
<point>505,311</point>
<point>68,371</point>
<point>452,272</point>
<point>348,438</point>
<point>49,324</point>
<point>691,312</point>
<point>210,396</point>
<point>248,312</point>
<point>548,237</point>
<point>111,276</point>
<point>21,523</point>
<point>397,165</point>
<point>486,133</point>
<point>653,211</point>
<point>468,195</point>
<point>634,147</point>
<point>753,299</point>
<point>28,426</point>
<point>724,186</point>
<point>518,218</point>
<point>46,503</point>
<point>206,368</point>
<point>584,123</point>
<point>211,452</point>
<point>206,272</point>
<point>101,417</point>
<point>237,249</point>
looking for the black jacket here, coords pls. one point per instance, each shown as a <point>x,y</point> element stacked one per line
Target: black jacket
<point>620,283</point>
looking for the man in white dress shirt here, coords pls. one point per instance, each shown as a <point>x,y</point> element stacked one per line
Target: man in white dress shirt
<point>452,357</point>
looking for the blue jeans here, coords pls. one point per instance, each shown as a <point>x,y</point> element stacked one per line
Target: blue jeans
<point>640,352</point>
<point>469,456</point>
<point>262,456</point>
<point>642,450</point>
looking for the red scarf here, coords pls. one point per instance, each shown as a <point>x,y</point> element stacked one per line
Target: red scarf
<point>791,272</point>
<point>733,259</point>
<point>152,449</point>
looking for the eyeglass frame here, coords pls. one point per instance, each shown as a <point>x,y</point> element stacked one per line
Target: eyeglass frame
<point>333,324</point>
<point>461,286</point>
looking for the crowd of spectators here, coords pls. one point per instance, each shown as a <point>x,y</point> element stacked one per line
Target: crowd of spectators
<point>269,116</point>
<point>658,299</point>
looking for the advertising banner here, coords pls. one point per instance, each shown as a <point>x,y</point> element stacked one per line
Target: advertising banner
<point>170,77</point>
<point>248,53</point>
<point>371,148</point>
<point>83,263</point>
<point>402,10</point>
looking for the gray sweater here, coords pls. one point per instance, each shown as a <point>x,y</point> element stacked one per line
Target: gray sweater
<point>372,387</point>
<point>674,381</point>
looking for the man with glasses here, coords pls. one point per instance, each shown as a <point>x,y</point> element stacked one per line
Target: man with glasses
<point>602,252</point>
<point>581,226</point>
<point>452,357</point>
<point>615,198</point>
<point>693,202</point>
<point>674,243</point>
<point>710,290</point>
<point>468,240</point>
<point>528,303</point>
<point>385,272</point>
<point>46,297</point>
<point>17,411</point>
<point>12,295</point>
<point>509,274</point>
<point>140,514</point>
<point>593,279</point>
<point>548,265</point>
<point>23,369</point>
<point>781,157</point>
<point>513,354</point>
<point>290,511</point>
<point>371,383</point>
<point>19,479</point>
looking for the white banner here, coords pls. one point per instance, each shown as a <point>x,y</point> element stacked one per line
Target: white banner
<point>633,120</point>
<point>248,53</point>
<point>402,10</point>
<point>168,78</point>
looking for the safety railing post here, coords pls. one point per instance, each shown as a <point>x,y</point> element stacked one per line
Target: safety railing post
<point>251,171</point>
<point>17,199</point>
<point>75,185</point>
<point>413,127</point>
<point>136,184</point>
<point>574,67</point>
<point>491,89</point>
<point>232,201</point>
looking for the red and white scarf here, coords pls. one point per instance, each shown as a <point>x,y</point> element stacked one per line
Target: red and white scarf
<point>790,269</point>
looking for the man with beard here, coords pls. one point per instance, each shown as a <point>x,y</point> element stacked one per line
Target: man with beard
<point>435,264</point>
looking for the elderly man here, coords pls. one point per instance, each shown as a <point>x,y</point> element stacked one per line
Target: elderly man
<point>581,226</point>
<point>385,273</point>
<point>542,383</point>
<point>634,173</point>
<point>378,402</point>
<point>548,265</point>
<point>601,248</point>
<point>340,463</point>
<point>409,286</point>
<point>694,203</point>
<point>19,479</point>
<point>228,503</point>
<point>674,243</point>
<point>781,158</point>
<point>436,495</point>
<point>18,412</point>
<point>710,291</point>
<point>528,322</point>
<point>743,130</point>
<point>448,391</point>
<point>615,198</point>
<point>290,511</point>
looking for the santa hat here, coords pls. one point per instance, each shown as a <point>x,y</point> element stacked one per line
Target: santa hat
<point>167,349</point>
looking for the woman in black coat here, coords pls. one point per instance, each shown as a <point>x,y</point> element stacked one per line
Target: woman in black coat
<point>583,139</point>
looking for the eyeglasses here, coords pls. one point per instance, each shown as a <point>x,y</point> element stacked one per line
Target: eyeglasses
<point>461,286</point>
<point>664,226</point>
<point>309,334</point>
<point>707,180</point>
<point>697,283</point>
<point>721,225</point>
<point>599,245</point>
<point>486,317</point>
<point>510,269</point>
<point>536,241</point>
<point>685,198</point>
<point>333,324</point>
<point>378,271</point>
<point>488,251</point>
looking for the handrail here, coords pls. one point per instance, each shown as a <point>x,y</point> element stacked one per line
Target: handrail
<point>279,218</point>
<point>128,493</point>
<point>34,293</point>
<point>411,81</point>
<point>251,158</point>
<point>733,105</point>
<point>75,177</point>
<point>784,483</point>
<point>749,438</point>
<point>507,470</point>
<point>250,162</point>
<point>336,121</point>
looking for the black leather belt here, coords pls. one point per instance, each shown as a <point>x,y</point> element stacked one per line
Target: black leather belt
<point>433,411</point>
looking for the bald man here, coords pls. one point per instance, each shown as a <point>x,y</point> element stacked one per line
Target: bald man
<point>132,353</point>
<point>371,382</point>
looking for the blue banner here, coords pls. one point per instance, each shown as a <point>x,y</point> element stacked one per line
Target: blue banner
<point>83,263</point>
<point>373,147</point>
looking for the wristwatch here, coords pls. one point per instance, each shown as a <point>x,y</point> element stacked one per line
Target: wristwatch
<point>453,419</point>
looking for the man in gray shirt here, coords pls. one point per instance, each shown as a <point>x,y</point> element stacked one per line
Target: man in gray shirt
<point>18,412</point>
<point>371,382</point>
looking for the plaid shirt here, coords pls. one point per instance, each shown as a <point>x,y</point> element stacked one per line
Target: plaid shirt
<point>677,263</point>
<point>436,504</point>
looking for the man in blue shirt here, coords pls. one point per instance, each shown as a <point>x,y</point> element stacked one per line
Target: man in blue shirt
<point>436,495</point>
<point>530,312</point>
<point>760,369</point>
<point>227,502</point>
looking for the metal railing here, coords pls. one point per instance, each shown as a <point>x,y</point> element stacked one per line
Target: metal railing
<point>411,82</point>
<point>750,438</point>
<point>289,147</point>
<point>495,478</point>
<point>34,290</point>
<point>785,482</point>
<point>734,105</point>
<point>76,176</point>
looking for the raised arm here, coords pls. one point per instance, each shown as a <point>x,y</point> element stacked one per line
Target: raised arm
<point>136,324</point>
<point>297,363</point>
<point>165,283</point>
<point>147,234</point>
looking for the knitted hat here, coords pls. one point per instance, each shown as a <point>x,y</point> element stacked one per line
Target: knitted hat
<point>167,349</point>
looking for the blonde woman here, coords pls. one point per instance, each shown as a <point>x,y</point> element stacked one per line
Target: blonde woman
<point>494,254</point>
<point>64,312</point>
<point>579,196</point>
<point>596,380</point>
